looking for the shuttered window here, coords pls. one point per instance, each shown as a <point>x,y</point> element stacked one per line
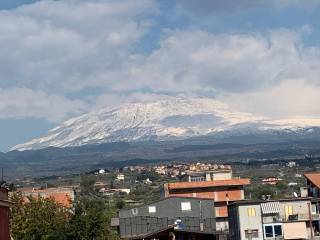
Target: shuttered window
<point>251,212</point>
<point>288,209</point>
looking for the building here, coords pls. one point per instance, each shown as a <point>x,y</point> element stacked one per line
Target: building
<point>278,219</point>
<point>199,176</point>
<point>271,180</point>
<point>120,177</point>
<point>64,196</point>
<point>221,191</point>
<point>173,217</point>
<point>4,214</point>
<point>291,164</point>
<point>313,184</point>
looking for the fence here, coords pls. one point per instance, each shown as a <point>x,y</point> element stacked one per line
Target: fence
<point>136,226</point>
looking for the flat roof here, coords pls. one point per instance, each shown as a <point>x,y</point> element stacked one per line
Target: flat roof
<point>250,202</point>
<point>171,197</point>
<point>313,177</point>
<point>206,184</point>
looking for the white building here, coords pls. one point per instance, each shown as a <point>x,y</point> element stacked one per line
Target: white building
<point>120,177</point>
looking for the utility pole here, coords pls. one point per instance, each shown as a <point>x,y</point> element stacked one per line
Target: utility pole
<point>310,221</point>
<point>2,179</point>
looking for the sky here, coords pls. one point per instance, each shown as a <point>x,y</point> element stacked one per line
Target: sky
<point>63,58</point>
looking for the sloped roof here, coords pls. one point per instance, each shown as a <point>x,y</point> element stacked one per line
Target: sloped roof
<point>314,178</point>
<point>206,184</point>
<point>64,196</point>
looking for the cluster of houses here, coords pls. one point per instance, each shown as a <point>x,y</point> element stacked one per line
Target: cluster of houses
<point>175,170</point>
<point>211,204</point>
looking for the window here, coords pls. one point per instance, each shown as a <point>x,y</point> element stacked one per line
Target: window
<point>251,233</point>
<point>268,231</point>
<point>152,209</point>
<point>134,211</point>
<point>277,230</point>
<point>251,212</point>
<point>288,210</point>
<point>186,206</point>
<point>314,209</point>
<point>272,230</point>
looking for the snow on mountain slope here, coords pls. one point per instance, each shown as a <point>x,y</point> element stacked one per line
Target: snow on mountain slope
<point>172,118</point>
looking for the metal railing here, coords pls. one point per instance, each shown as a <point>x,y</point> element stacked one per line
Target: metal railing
<point>285,218</point>
<point>136,226</point>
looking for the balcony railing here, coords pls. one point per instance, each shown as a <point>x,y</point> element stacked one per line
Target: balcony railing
<point>286,218</point>
<point>316,216</point>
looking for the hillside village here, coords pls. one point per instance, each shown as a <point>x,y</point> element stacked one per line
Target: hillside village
<point>199,200</point>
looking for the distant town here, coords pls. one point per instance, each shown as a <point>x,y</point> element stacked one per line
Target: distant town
<point>198,200</point>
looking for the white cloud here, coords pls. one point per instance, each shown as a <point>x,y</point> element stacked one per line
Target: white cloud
<point>273,65</point>
<point>207,7</point>
<point>286,100</point>
<point>23,102</point>
<point>53,48</point>
<point>197,60</point>
<point>64,45</point>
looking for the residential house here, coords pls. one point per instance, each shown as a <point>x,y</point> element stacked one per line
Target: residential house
<point>169,218</point>
<point>271,180</point>
<point>64,196</point>
<point>199,176</point>
<point>313,184</point>
<point>312,190</point>
<point>276,219</point>
<point>4,214</point>
<point>120,177</point>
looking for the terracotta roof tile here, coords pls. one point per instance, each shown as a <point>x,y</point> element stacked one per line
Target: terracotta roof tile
<point>314,178</point>
<point>205,184</point>
<point>62,196</point>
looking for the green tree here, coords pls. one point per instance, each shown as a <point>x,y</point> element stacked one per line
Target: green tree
<point>87,184</point>
<point>38,219</point>
<point>91,219</point>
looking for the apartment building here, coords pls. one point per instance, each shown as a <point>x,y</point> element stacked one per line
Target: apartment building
<point>276,219</point>
<point>170,218</point>
<point>223,192</point>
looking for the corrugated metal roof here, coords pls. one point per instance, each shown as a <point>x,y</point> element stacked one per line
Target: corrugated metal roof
<point>205,184</point>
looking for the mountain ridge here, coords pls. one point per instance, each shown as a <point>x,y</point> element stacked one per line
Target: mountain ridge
<point>172,118</point>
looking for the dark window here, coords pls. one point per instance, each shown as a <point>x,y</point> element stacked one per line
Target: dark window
<point>277,230</point>
<point>272,231</point>
<point>269,231</point>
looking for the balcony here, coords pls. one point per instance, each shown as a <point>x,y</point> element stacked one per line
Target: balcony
<point>315,216</point>
<point>283,218</point>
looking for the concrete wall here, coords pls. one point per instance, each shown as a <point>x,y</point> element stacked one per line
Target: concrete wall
<point>137,221</point>
<point>219,194</point>
<point>171,208</point>
<point>298,207</point>
<point>250,222</point>
<point>221,175</point>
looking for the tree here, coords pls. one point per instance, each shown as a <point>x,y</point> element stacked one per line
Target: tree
<point>87,184</point>
<point>38,219</point>
<point>91,219</point>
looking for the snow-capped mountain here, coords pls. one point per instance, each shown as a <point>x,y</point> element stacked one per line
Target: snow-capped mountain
<point>171,118</point>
